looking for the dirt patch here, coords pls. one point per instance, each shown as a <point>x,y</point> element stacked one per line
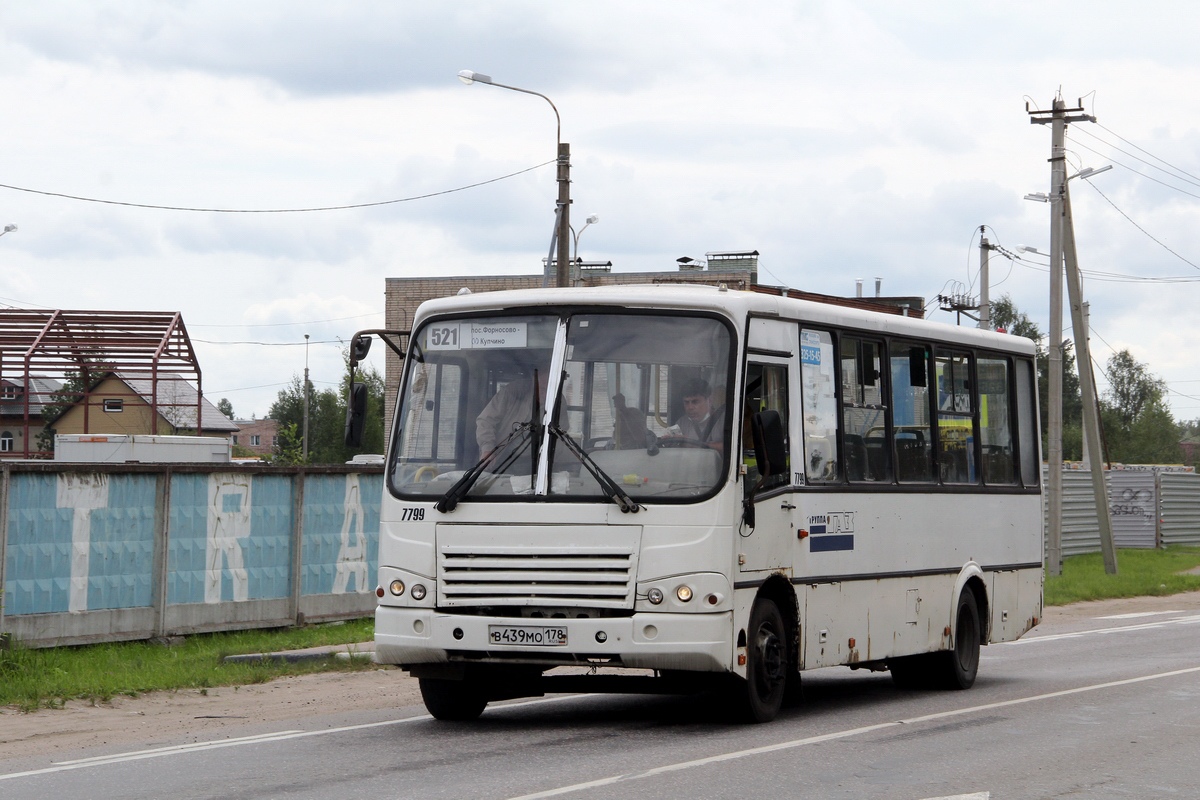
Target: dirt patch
<point>160,718</point>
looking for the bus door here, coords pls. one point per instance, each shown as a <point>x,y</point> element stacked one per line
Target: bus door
<point>767,545</point>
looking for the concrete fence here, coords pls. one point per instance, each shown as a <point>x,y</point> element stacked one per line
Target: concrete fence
<point>98,552</point>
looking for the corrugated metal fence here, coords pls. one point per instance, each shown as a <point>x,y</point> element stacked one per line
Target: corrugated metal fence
<point>1149,508</point>
<point>94,552</point>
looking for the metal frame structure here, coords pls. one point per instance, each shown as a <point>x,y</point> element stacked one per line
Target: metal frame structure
<point>90,345</point>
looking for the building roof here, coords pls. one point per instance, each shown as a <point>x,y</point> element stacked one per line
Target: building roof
<point>41,394</point>
<point>177,401</point>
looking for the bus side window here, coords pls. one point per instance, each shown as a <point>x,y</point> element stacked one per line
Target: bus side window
<point>956,418</point>
<point>818,387</point>
<point>766,390</point>
<point>995,422</point>
<point>864,427</point>
<point>913,433</point>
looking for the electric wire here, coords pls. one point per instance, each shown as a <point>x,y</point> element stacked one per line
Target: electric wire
<point>273,210</point>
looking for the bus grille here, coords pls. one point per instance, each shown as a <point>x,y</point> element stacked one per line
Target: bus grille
<point>534,573</point>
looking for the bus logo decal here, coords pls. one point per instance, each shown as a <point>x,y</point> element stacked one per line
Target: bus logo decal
<point>831,532</point>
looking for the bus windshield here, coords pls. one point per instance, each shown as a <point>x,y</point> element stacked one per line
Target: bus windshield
<point>565,406</point>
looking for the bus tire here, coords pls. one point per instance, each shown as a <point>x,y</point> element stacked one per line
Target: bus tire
<point>452,701</point>
<point>761,693</point>
<point>961,664</point>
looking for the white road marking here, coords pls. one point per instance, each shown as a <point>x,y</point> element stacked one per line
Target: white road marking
<point>1145,626</point>
<point>1139,614</point>
<point>794,743</point>
<point>278,736</point>
<point>975,796</point>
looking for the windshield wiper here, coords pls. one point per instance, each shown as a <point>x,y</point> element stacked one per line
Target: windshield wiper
<point>611,489</point>
<point>463,485</point>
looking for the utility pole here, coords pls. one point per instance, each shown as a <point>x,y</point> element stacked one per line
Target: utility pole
<point>1087,388</point>
<point>985,305</point>
<point>1058,118</point>
<point>563,265</point>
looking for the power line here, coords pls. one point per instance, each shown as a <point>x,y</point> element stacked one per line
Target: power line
<point>286,324</point>
<point>1140,228</point>
<point>272,210</point>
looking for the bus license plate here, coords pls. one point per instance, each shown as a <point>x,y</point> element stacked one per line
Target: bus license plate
<point>538,636</point>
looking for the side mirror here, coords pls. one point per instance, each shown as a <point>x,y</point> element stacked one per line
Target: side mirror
<point>360,347</point>
<point>356,414</point>
<point>769,448</point>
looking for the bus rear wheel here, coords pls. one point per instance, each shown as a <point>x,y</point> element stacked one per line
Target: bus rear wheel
<point>947,669</point>
<point>760,696</point>
<point>961,665</point>
<point>452,701</point>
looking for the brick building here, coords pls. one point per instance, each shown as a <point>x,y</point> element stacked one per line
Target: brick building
<point>259,436</point>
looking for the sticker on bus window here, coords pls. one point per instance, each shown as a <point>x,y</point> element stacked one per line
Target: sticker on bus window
<point>810,347</point>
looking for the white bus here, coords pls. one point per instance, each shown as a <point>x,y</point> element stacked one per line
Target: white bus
<point>706,487</point>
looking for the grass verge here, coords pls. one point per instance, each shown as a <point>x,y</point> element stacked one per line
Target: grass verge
<point>48,677</point>
<point>1140,573</point>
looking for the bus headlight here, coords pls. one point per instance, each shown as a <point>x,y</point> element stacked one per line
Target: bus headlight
<point>684,593</point>
<point>655,596</point>
<point>417,591</point>
<point>397,588</point>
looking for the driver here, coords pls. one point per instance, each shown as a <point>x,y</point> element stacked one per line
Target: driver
<point>700,421</point>
<point>511,405</point>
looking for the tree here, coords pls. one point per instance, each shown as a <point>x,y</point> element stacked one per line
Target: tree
<point>1138,426</point>
<point>1006,315</point>
<point>326,421</point>
<point>225,407</point>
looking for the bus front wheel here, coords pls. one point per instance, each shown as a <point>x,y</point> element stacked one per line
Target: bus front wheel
<point>761,695</point>
<point>452,701</point>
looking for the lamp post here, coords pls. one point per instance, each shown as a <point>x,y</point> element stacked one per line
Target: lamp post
<point>305,435</point>
<point>562,225</point>
<point>9,228</point>
<point>591,220</point>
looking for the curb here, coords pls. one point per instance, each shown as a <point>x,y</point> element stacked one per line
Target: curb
<point>344,652</point>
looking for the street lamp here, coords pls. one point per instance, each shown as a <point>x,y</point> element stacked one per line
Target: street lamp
<point>304,449</point>
<point>562,225</point>
<point>591,220</point>
<point>9,228</point>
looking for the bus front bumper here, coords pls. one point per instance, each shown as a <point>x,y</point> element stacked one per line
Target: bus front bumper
<point>693,642</point>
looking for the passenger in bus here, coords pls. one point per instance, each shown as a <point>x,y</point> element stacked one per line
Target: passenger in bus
<point>510,406</point>
<point>700,421</point>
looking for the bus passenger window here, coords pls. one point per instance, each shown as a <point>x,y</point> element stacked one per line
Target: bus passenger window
<point>913,433</point>
<point>995,418</point>
<point>956,419</point>
<point>864,427</point>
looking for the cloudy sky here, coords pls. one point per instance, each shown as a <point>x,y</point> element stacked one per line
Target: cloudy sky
<point>841,140</point>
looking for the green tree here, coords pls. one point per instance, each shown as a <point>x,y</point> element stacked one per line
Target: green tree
<point>1138,426</point>
<point>1005,315</point>
<point>225,407</point>
<point>326,421</point>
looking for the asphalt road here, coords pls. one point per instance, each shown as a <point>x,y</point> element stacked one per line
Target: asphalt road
<point>1089,707</point>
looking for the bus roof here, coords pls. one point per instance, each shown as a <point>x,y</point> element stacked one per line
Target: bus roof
<point>734,304</point>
